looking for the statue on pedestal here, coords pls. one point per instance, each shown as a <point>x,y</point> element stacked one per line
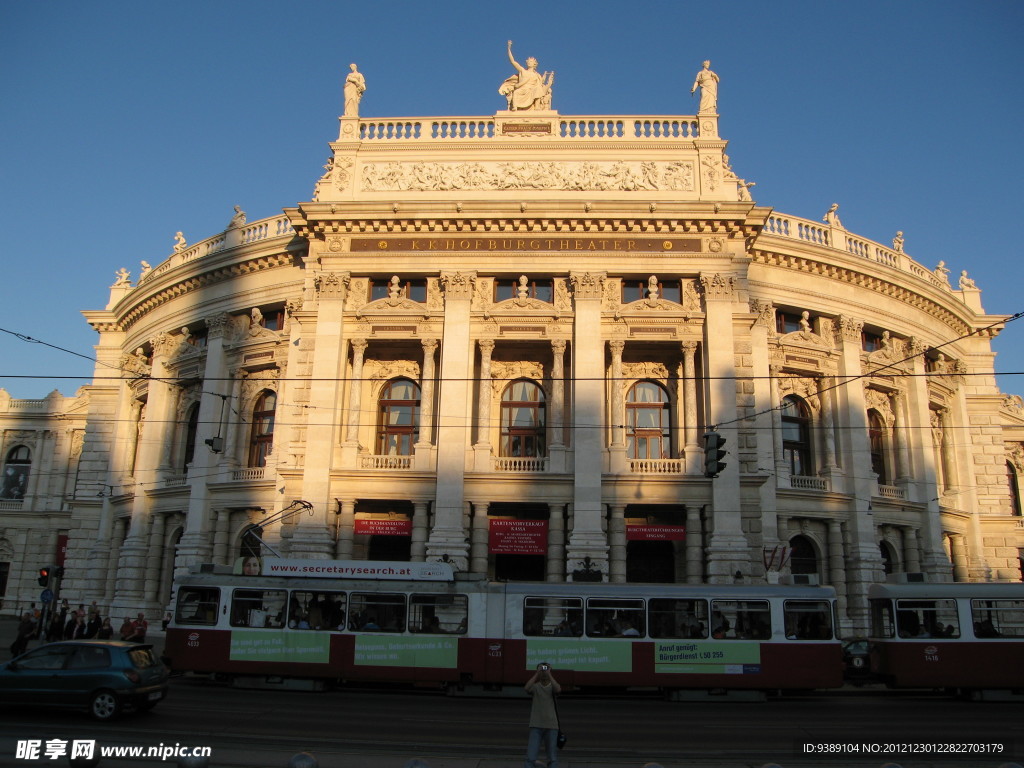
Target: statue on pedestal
<point>355,86</point>
<point>528,90</point>
<point>707,81</point>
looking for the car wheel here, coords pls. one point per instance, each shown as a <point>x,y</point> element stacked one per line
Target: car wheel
<point>104,705</point>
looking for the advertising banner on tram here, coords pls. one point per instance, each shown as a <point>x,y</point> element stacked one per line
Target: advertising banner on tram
<point>357,569</point>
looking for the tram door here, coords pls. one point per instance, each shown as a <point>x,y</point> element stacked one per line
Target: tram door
<point>650,562</point>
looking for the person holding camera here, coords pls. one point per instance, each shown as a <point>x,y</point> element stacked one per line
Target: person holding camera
<point>543,688</point>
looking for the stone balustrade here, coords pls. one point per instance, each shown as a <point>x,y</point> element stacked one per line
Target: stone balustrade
<point>249,473</point>
<point>656,466</point>
<point>807,483</point>
<point>520,464</point>
<point>576,127</point>
<point>383,461</point>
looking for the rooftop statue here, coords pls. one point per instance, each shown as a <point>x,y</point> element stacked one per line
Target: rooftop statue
<point>238,220</point>
<point>831,217</point>
<point>355,86</point>
<point>897,242</point>
<point>707,81</point>
<point>529,89</point>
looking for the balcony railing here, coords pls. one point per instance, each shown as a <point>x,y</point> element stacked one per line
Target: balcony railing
<point>249,473</point>
<point>892,492</point>
<point>571,128</point>
<point>807,483</point>
<point>520,464</point>
<point>175,481</point>
<point>11,505</point>
<point>656,466</point>
<point>385,462</point>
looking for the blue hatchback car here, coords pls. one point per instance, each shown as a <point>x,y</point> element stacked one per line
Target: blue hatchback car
<point>104,677</point>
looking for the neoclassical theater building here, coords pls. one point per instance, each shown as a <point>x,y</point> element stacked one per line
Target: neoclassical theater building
<point>497,341</point>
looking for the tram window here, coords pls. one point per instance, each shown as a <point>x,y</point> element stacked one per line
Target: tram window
<point>740,620</point>
<point>927,618</point>
<point>677,618</point>
<point>807,619</point>
<point>316,610</point>
<point>615,618</point>
<point>373,612</point>
<point>197,605</point>
<point>997,618</point>
<point>258,607</point>
<point>558,616</point>
<point>438,614</point>
<point>882,624</point>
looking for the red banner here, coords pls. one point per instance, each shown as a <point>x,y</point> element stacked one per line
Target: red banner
<point>376,527</point>
<point>655,532</point>
<point>518,537</point>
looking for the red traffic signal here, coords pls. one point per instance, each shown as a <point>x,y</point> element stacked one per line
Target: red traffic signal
<point>44,576</point>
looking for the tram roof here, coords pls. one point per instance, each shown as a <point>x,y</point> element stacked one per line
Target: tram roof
<point>982,590</point>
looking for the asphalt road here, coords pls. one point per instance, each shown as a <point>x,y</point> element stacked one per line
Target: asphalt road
<point>387,727</point>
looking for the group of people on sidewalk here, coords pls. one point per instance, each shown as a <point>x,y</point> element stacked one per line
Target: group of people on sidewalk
<point>80,624</point>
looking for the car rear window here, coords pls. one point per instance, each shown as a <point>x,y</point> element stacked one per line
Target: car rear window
<point>142,658</point>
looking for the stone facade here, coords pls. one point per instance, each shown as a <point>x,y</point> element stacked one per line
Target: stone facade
<point>527,317</point>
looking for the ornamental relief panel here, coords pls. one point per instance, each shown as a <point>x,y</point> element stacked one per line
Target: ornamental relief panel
<point>503,372</point>
<point>881,402</point>
<point>645,370</point>
<point>255,382</point>
<point>620,176</point>
<point>1015,455</point>
<point>188,397</point>
<point>803,387</point>
<point>391,369</point>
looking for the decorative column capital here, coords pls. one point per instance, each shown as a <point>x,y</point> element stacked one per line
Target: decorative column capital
<point>458,285</point>
<point>358,345</point>
<point>486,347</point>
<point>331,285</point>
<point>217,325</point>
<point>765,311</point>
<point>587,285</point>
<point>850,328</point>
<point>429,345</point>
<point>689,347</point>
<point>558,346</point>
<point>718,286</point>
<point>617,346</point>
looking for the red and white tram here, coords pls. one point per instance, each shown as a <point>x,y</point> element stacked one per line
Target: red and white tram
<point>966,636</point>
<point>416,623</point>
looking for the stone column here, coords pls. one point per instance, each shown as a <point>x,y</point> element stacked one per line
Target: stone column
<point>587,539</point>
<point>222,537</point>
<point>155,557</point>
<point>825,391</point>
<point>782,473</point>
<point>727,550</point>
<point>903,474</point>
<point>233,430</point>
<point>911,549</point>
<point>694,546</point>
<point>482,447</point>
<point>113,557</point>
<point>949,469</point>
<point>479,538</point>
<point>455,417</point>
<point>556,425</point>
<point>863,559</point>
<point>691,440</point>
<point>958,549</point>
<point>765,434</point>
<point>424,443</point>
<point>355,392</point>
<point>195,545</point>
<point>617,417</point>
<point>617,544</point>
<point>346,530</point>
<point>418,545</point>
<point>556,544</point>
<point>836,566</point>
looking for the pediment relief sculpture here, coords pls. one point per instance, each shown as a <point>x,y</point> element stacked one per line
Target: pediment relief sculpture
<point>881,402</point>
<point>390,369</point>
<point>644,370</point>
<point>135,363</point>
<point>505,371</point>
<point>185,348</point>
<point>803,387</point>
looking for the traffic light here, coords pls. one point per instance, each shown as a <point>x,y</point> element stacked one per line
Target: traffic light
<point>714,452</point>
<point>59,572</point>
<point>44,576</point>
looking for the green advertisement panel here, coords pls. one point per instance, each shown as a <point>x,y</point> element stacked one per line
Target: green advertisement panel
<point>379,651</point>
<point>694,657</point>
<point>299,647</point>
<point>579,654</point>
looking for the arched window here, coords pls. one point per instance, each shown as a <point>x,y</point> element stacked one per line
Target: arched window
<point>888,557</point>
<point>796,435</point>
<point>1013,481</point>
<point>261,443</point>
<point>522,420</point>
<point>804,557</point>
<point>648,422</point>
<point>191,429</point>
<point>876,440</point>
<point>16,471</point>
<point>398,421</point>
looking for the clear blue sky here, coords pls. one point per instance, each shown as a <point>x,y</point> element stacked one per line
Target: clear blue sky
<point>122,122</point>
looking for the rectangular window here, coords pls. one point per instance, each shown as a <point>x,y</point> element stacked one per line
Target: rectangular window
<point>317,610</point>
<point>740,620</point>
<point>542,289</point>
<point>615,618</point>
<point>807,619</point>
<point>677,618</point>
<point>635,290</point>
<point>372,612</point>
<point>438,614</point>
<point>197,605</point>
<point>927,618</point>
<point>557,616</point>
<point>870,342</point>
<point>787,322</point>
<point>414,290</point>
<point>997,618</point>
<point>258,608</point>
